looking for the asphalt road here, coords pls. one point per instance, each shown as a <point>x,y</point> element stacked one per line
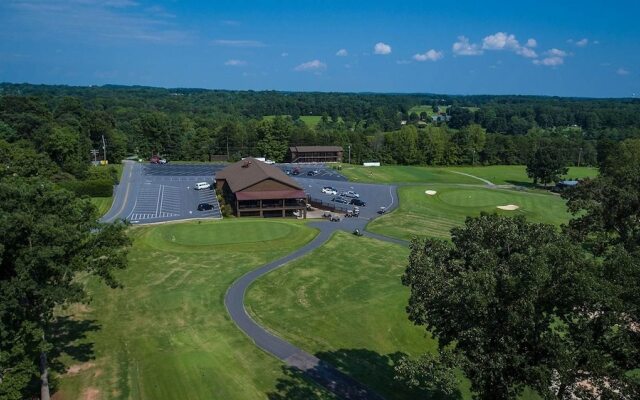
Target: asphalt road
<point>321,372</point>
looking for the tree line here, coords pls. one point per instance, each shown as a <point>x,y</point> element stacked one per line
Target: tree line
<point>66,123</point>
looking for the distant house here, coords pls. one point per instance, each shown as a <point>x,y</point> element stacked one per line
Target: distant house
<point>305,154</point>
<point>256,189</point>
<point>436,119</point>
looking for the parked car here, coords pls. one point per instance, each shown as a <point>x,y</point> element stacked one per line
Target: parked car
<point>202,185</point>
<point>358,202</point>
<point>350,193</point>
<point>296,171</point>
<point>311,173</point>
<point>204,207</point>
<point>287,171</point>
<point>329,190</point>
<point>340,200</point>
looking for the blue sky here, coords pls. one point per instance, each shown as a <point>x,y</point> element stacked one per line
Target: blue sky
<point>565,48</point>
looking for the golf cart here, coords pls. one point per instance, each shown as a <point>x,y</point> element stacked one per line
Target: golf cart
<point>382,210</point>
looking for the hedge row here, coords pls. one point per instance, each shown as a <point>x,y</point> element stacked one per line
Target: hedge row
<point>91,188</point>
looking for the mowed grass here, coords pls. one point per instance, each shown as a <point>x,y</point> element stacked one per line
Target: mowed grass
<point>422,215</point>
<point>310,120</point>
<point>497,174</point>
<point>517,174</point>
<point>103,204</point>
<point>345,303</point>
<point>403,174</point>
<point>166,333</point>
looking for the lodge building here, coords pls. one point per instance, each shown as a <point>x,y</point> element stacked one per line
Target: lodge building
<point>256,189</point>
<point>308,154</point>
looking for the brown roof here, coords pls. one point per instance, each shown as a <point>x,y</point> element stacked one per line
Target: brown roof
<point>305,149</point>
<point>248,172</point>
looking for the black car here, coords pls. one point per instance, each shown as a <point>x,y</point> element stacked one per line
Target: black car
<point>358,202</point>
<point>340,200</point>
<point>205,207</point>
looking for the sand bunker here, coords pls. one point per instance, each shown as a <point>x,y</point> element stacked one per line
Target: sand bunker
<point>430,192</point>
<point>509,207</point>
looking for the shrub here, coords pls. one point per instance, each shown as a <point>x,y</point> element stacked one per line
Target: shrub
<point>91,188</point>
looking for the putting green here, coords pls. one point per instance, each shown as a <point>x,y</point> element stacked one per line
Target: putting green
<point>222,235</point>
<point>423,215</point>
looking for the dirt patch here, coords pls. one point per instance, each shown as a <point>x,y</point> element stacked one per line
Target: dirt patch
<point>77,368</point>
<point>91,394</point>
<point>430,192</point>
<point>509,207</point>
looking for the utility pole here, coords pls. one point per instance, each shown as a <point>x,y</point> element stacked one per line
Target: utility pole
<point>95,152</point>
<point>104,148</point>
<point>349,153</point>
<point>579,156</point>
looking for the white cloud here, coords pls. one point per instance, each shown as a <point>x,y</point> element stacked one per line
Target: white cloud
<point>284,55</point>
<point>314,65</point>
<point>238,43</point>
<point>403,62</point>
<point>463,48</point>
<point>582,42</point>
<point>236,63</point>
<point>382,49</point>
<point>430,55</point>
<point>552,61</point>
<point>557,53</point>
<point>526,52</point>
<point>621,71</point>
<point>532,43</point>
<point>500,41</point>
<point>342,53</point>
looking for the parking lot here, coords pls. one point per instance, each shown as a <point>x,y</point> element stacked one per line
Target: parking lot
<point>325,172</point>
<point>166,192</point>
<point>157,193</point>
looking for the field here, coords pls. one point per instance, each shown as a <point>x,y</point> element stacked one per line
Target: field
<point>424,215</point>
<point>344,302</point>
<point>166,334</point>
<point>310,120</point>
<point>497,174</point>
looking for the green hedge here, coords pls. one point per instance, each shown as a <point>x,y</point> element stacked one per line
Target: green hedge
<point>91,188</point>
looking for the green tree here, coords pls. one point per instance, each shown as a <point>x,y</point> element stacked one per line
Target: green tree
<point>48,237</point>
<point>515,304</point>
<point>547,165</point>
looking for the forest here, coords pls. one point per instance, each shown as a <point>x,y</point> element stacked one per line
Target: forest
<point>64,123</point>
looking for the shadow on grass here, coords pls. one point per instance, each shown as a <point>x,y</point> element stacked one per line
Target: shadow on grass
<point>68,340</point>
<point>367,367</point>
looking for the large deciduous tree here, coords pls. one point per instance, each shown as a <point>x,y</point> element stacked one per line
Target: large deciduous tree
<point>547,164</point>
<point>48,236</point>
<point>515,305</point>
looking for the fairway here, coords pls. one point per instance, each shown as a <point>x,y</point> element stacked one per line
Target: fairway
<point>434,216</point>
<point>166,333</point>
<point>403,174</point>
<point>310,120</point>
<point>344,302</point>
<point>497,174</point>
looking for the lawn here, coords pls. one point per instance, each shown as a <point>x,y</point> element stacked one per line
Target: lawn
<point>166,333</point>
<point>498,174</point>
<point>403,174</point>
<point>517,174</point>
<point>103,204</point>
<point>310,120</point>
<point>344,302</point>
<point>424,215</point>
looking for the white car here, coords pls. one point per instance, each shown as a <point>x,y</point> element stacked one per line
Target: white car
<point>202,185</point>
<point>329,190</point>
<point>351,194</point>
